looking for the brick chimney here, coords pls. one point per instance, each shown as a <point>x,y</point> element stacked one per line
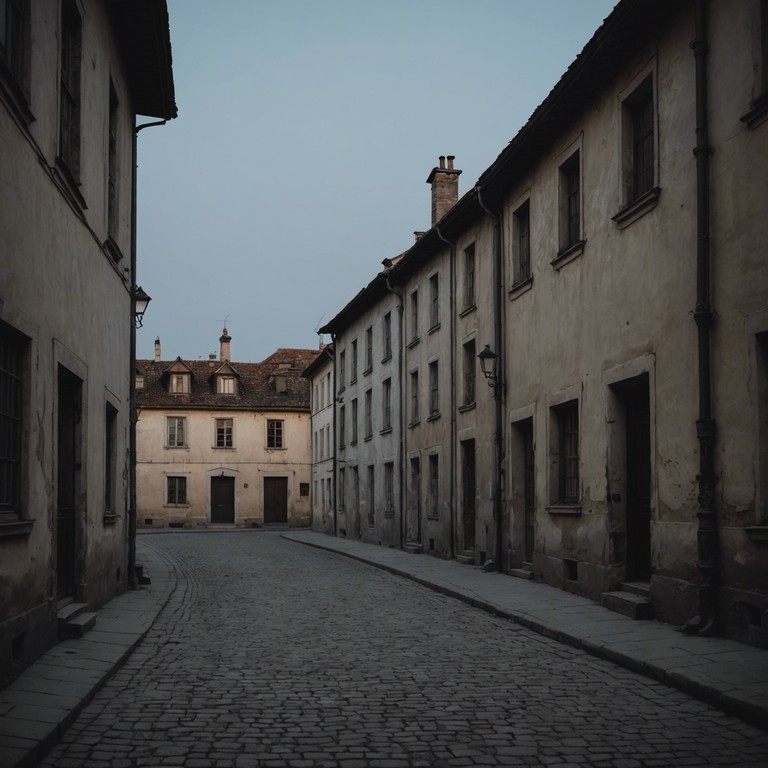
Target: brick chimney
<point>157,349</point>
<point>445,188</point>
<point>224,341</point>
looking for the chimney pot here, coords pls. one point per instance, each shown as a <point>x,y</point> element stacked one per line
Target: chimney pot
<point>442,161</point>
<point>224,340</point>
<point>157,349</point>
<point>451,158</point>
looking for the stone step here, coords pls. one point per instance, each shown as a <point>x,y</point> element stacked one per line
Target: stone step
<point>642,588</point>
<point>466,557</point>
<point>79,625</point>
<point>628,604</point>
<point>69,611</point>
<point>521,573</point>
<point>412,547</point>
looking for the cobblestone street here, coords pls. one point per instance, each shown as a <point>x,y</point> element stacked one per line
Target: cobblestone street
<point>274,654</point>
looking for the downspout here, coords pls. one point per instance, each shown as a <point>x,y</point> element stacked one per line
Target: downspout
<point>133,582</point>
<point>706,622</point>
<point>401,410</point>
<point>452,336</point>
<point>498,387</point>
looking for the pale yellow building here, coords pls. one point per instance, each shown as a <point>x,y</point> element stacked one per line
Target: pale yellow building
<point>223,443</point>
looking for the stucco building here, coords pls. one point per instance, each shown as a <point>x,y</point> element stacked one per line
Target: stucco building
<point>613,259</point>
<point>222,442</point>
<point>73,77</point>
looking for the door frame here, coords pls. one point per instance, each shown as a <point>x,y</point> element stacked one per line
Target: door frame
<point>217,474</point>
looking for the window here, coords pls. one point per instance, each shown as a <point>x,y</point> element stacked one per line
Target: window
<point>224,433</point>
<point>434,393</point>
<point>275,433</point>
<point>567,418</point>
<point>387,336</point>
<point>12,346</point>
<point>112,223</point>
<point>342,427</point>
<point>414,315</point>
<point>353,441</point>
<point>415,498</point>
<point>368,349</point>
<point>139,381</point>
<point>341,489</point>
<point>176,431</point>
<point>434,298</point>
<point>570,202</point>
<point>176,490</point>
<point>469,373</point>
<point>226,385</point>
<point>353,372</point>
<point>110,459</point>
<point>759,397</point>
<point>389,488</point>
<point>386,404</point>
<point>368,414</point>
<point>179,384</point>
<point>303,489</point>
<point>356,487</point>
<point>14,52</point>
<point>69,88</point>
<point>342,369</point>
<point>434,485</point>
<point>370,500</point>
<point>414,397</point>
<point>522,243</point>
<point>469,277</point>
<point>638,141</point>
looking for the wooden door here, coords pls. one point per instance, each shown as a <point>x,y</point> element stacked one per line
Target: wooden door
<point>638,487</point>
<point>275,500</point>
<point>222,500</point>
<point>468,493</point>
<point>529,495</point>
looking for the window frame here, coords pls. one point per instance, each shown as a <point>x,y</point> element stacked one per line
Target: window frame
<point>469,391</point>
<point>414,316</point>
<point>415,416</point>
<point>386,405</point>
<point>434,390</point>
<point>70,90</point>
<point>469,278</point>
<point>175,443</point>
<point>368,414</point>
<point>224,433</point>
<point>368,350</point>
<point>180,491</point>
<point>434,301</point>
<point>276,435</point>
<point>387,337</point>
<point>521,227</point>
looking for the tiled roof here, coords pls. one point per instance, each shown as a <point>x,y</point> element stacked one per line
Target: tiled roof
<point>258,384</point>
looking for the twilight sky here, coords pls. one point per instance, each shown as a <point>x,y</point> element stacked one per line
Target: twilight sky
<point>306,132</point>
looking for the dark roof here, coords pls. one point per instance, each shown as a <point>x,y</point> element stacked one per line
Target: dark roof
<point>143,35</point>
<point>321,358</point>
<point>366,297</point>
<point>256,383</point>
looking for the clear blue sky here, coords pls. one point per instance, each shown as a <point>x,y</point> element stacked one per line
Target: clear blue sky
<point>306,132</point>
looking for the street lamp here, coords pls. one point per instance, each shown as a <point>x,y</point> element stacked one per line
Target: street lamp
<point>488,363</point>
<point>141,301</point>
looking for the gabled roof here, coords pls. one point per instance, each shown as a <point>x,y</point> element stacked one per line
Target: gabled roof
<point>324,356</point>
<point>225,369</point>
<point>257,383</point>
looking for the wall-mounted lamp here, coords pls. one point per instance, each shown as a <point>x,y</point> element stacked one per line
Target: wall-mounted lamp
<point>141,302</point>
<point>488,363</point>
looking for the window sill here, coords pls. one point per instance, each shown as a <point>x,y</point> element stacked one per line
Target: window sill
<point>177,506</point>
<point>341,389</point>
<point>386,359</point>
<point>758,112</point>
<point>112,249</point>
<point>353,381</point>
<point>274,448</point>
<point>433,516</point>
<point>637,208</point>
<point>564,509</point>
<point>758,534</point>
<point>368,438</point>
<point>389,513</point>
<point>413,342</point>
<point>10,529</point>
<point>69,185</point>
<point>433,329</point>
<point>367,371</point>
<point>385,431</point>
<point>467,407</point>
<point>468,310</point>
<point>352,443</point>
<point>414,424</point>
<point>222,448</point>
<point>433,416</point>
<point>568,254</point>
<point>110,518</point>
<point>14,96</point>
<point>176,447</point>
<point>521,287</point>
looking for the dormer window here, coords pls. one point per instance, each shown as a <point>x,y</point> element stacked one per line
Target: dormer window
<point>139,381</point>
<point>179,384</point>
<point>226,385</point>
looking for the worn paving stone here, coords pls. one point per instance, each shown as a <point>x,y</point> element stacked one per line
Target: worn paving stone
<point>274,655</point>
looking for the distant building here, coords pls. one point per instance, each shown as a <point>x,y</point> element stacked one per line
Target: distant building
<point>320,375</point>
<point>224,443</point>
<point>613,260</point>
<point>73,78</point>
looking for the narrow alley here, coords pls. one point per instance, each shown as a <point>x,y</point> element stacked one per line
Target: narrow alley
<point>270,653</point>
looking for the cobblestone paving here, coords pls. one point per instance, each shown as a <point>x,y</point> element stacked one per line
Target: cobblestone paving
<point>274,654</point>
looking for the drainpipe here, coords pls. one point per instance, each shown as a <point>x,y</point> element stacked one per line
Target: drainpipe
<point>133,582</point>
<point>452,336</point>
<point>401,409</point>
<point>332,358</point>
<point>706,622</point>
<point>498,387</point>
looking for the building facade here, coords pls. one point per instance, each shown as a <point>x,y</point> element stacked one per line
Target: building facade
<point>319,373</point>
<point>69,98</point>
<point>613,260</point>
<point>223,443</point>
